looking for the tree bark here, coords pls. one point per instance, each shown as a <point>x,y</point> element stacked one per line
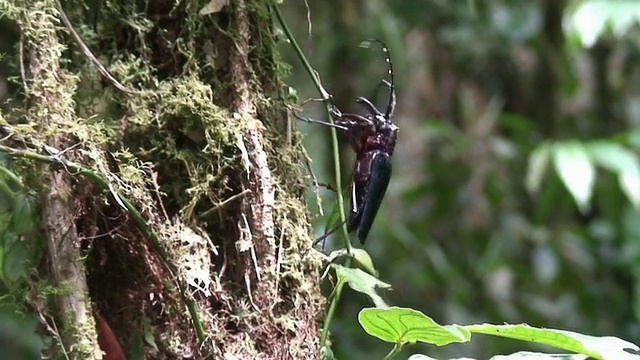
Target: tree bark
<point>49,90</point>
<point>186,227</point>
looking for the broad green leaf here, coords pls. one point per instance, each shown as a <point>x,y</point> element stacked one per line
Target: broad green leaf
<point>632,138</point>
<point>15,259</point>
<point>596,347</point>
<point>22,217</point>
<point>136,349</point>
<point>337,254</point>
<point>333,219</point>
<point>576,170</point>
<point>326,353</point>
<point>537,167</point>
<point>363,259</point>
<point>593,18</point>
<point>11,179</point>
<point>622,161</point>
<point>7,196</point>
<point>5,224</point>
<point>525,355</point>
<point>148,333</point>
<point>402,325</point>
<point>362,282</point>
<point>360,255</point>
<point>425,357</point>
<point>420,357</point>
<point>213,7</point>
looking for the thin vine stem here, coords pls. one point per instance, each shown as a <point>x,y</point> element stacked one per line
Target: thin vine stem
<point>332,309</point>
<point>77,169</point>
<point>395,351</point>
<point>334,136</point>
<point>336,161</point>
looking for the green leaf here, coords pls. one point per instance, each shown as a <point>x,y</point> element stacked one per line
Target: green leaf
<point>7,196</point>
<point>523,355</point>
<point>594,18</point>
<point>326,353</point>
<point>364,260</point>
<point>576,170</point>
<point>22,219</point>
<point>148,333</point>
<point>5,224</point>
<point>420,357</point>
<point>333,219</point>
<point>537,167</point>
<point>539,356</point>
<point>136,349</point>
<point>12,180</point>
<point>623,162</point>
<point>401,325</point>
<point>15,259</point>
<point>362,282</point>
<point>596,347</point>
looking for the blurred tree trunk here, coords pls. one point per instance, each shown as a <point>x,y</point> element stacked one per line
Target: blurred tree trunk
<point>172,204</point>
<point>551,66</point>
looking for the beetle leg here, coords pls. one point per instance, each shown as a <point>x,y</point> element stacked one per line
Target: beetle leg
<point>313,121</point>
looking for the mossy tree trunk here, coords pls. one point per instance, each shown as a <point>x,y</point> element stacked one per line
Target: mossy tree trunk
<point>172,195</point>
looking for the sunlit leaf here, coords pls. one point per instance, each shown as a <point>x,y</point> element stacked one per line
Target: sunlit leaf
<point>523,355</point>
<point>7,196</point>
<point>623,162</point>
<point>576,170</point>
<point>595,17</point>
<point>213,6</point>
<point>402,325</point>
<point>333,219</point>
<point>364,259</point>
<point>362,282</point>
<point>596,347</point>
<point>148,333</point>
<point>537,167</point>
<point>420,357</point>
<point>15,259</point>
<point>22,217</point>
<point>136,349</point>
<point>5,223</point>
<point>539,356</point>
<point>326,353</point>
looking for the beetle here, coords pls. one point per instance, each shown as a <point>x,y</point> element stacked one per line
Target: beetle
<point>372,136</point>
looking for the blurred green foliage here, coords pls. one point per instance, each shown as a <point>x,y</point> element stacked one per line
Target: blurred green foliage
<point>19,253</point>
<point>516,180</point>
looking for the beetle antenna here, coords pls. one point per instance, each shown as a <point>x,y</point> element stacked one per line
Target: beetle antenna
<point>392,90</point>
<point>373,110</point>
<point>392,99</point>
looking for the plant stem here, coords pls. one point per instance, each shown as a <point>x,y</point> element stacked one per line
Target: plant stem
<point>78,169</point>
<point>332,130</point>
<point>330,312</point>
<point>395,351</point>
<point>338,178</point>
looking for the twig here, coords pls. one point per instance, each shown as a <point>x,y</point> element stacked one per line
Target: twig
<point>225,202</point>
<point>332,309</point>
<point>309,164</point>
<point>23,73</point>
<point>334,136</point>
<point>87,52</point>
<point>336,157</point>
<point>78,169</point>
<point>395,351</point>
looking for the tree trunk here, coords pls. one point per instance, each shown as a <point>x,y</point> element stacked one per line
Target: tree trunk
<point>172,202</point>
